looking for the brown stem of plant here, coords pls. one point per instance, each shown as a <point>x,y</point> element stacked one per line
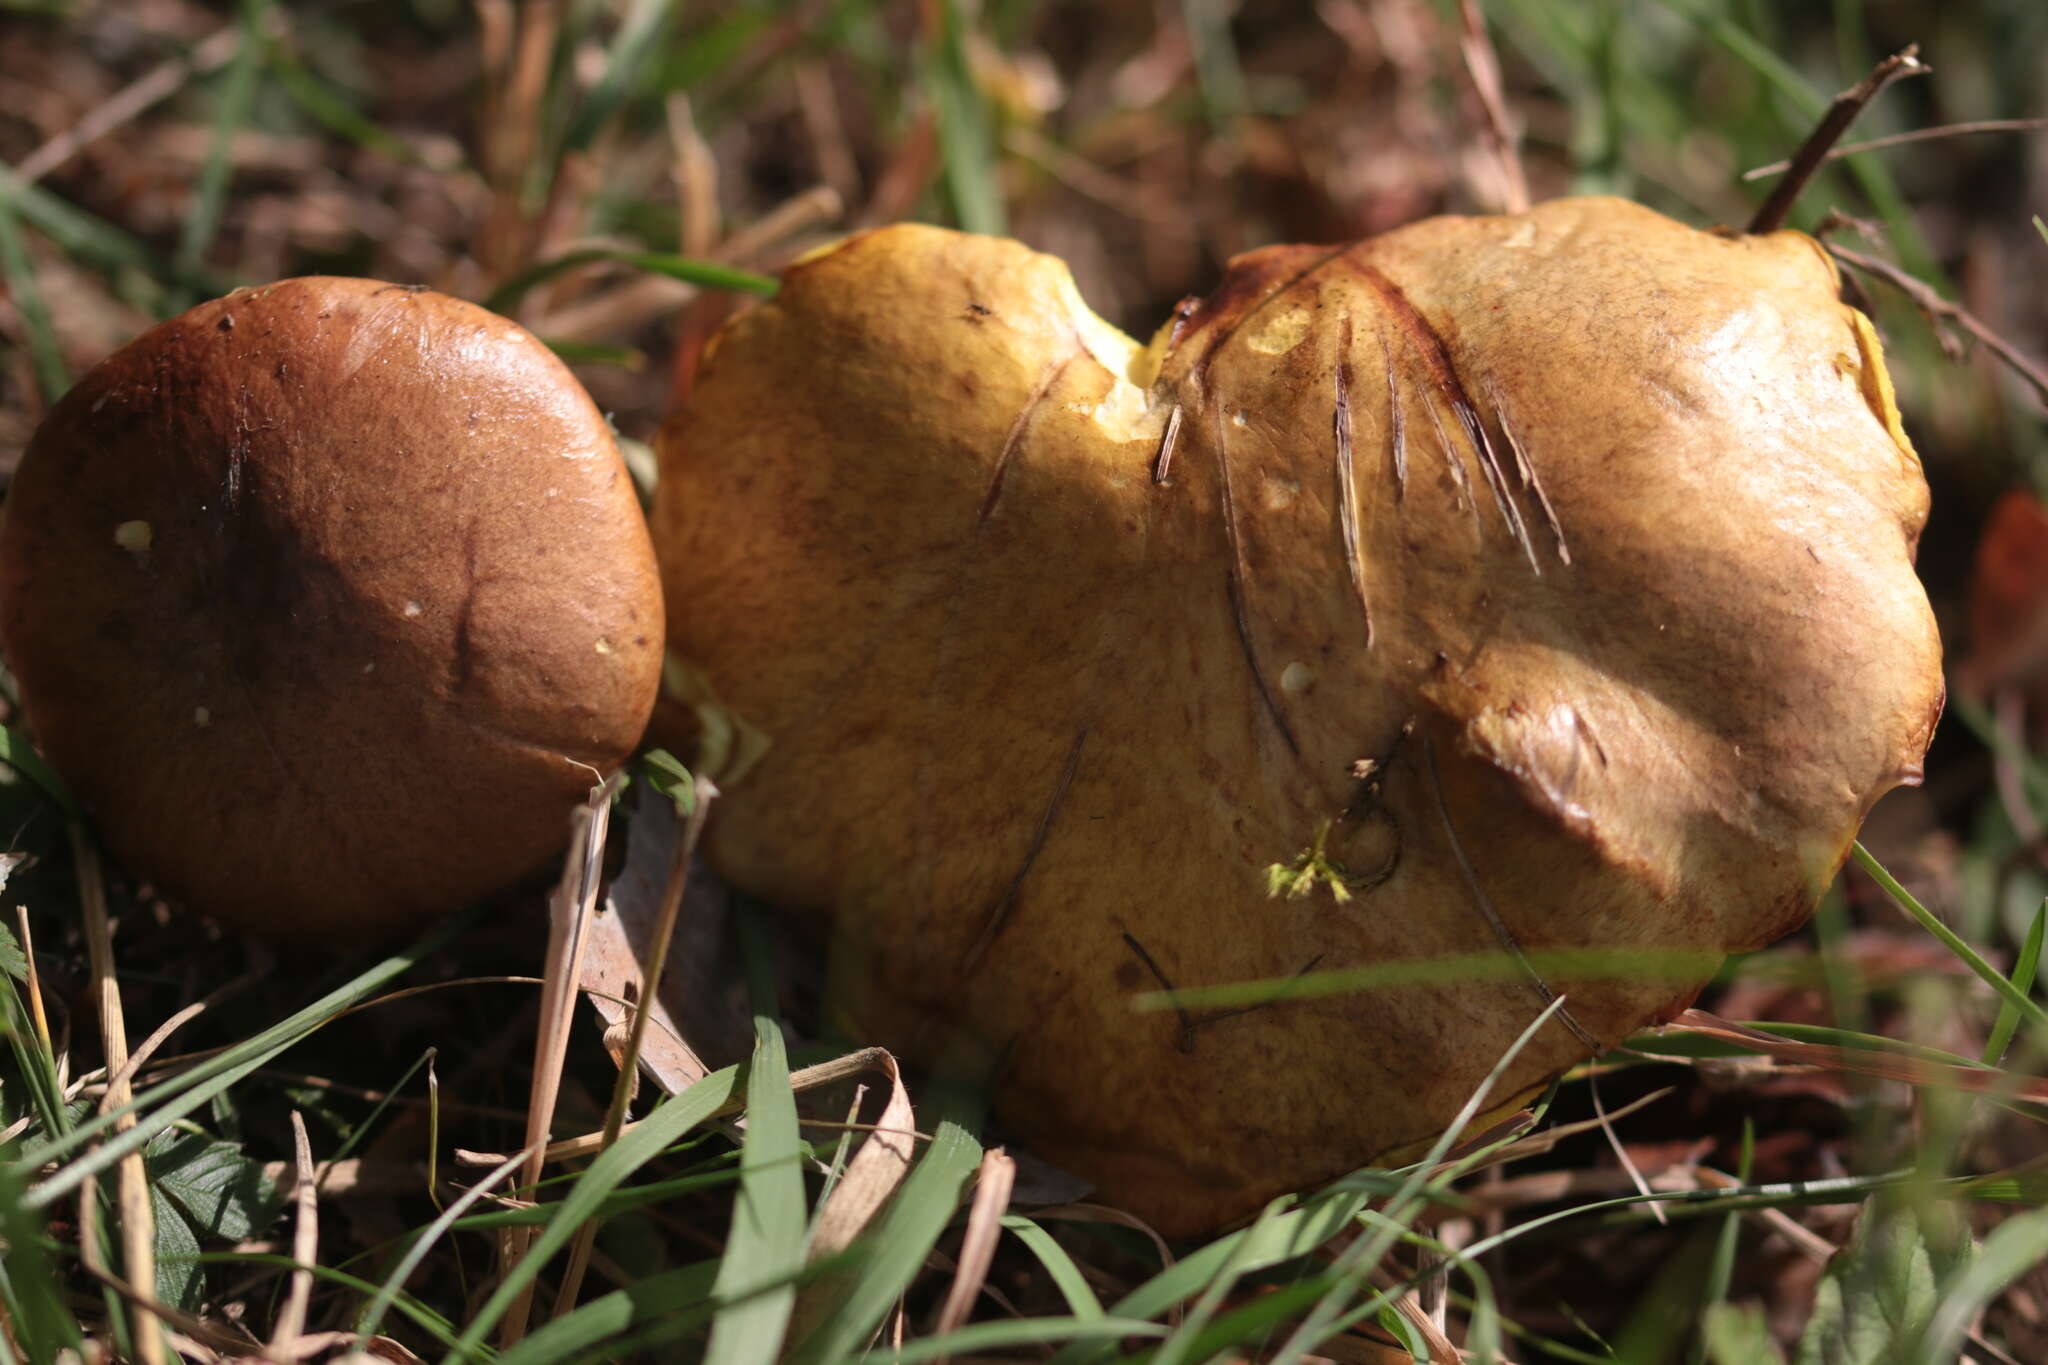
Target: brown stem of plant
<point>1938,308</point>
<point>650,982</point>
<point>1813,153</point>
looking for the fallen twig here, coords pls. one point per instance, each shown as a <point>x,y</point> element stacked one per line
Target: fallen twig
<point>1940,309</point>
<point>1946,130</point>
<point>1813,153</point>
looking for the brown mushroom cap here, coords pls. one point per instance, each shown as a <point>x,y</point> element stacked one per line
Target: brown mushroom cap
<point>1549,574</point>
<point>330,599</point>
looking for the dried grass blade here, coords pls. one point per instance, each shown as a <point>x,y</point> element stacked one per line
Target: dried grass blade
<point>668,1123</point>
<point>1482,64</point>
<point>873,1174</point>
<point>18,270</point>
<point>291,1320</point>
<point>569,910</point>
<point>992,1186</point>
<point>1441,1350</point>
<point>810,1078</point>
<point>1886,1066</point>
<point>394,1283</point>
<point>158,83</point>
<point>650,975</point>
<point>696,177</point>
<point>897,1249</point>
<point>138,1215</point>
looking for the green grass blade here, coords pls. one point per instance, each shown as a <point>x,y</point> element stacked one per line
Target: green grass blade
<point>892,1256</point>
<point>769,1226</point>
<point>1682,1044</point>
<point>996,1336</point>
<point>237,97</point>
<point>38,1068</point>
<point>1184,1344</point>
<point>372,1316</point>
<point>967,138</point>
<point>639,36</point>
<point>429,1321</point>
<point>17,753</point>
<point>597,353</point>
<point>97,242</point>
<point>706,274</point>
<point>158,1107</point>
<point>2010,1250</point>
<point>1218,73</point>
<point>1060,1267</point>
<point>1364,1255</point>
<point>2021,1002</point>
<point>36,1298</point>
<point>1628,964</point>
<point>1721,1272</point>
<point>2023,972</point>
<point>673,1292</point>
<point>329,110</point>
<point>1249,1324</point>
<point>615,1203</point>
<point>1259,1247</point>
<point>45,355</point>
<point>640,1145</point>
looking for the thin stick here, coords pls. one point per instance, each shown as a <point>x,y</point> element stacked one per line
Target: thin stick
<point>650,982</point>
<point>1946,130</point>
<point>291,1322</point>
<point>1483,65</point>
<point>1620,1150</point>
<point>569,911</point>
<point>1935,306</point>
<point>1813,153</point>
<point>138,1217</point>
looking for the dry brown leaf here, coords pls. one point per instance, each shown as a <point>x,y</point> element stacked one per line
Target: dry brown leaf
<point>686,1010</point>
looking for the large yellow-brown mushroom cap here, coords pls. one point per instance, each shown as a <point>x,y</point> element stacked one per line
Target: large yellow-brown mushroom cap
<point>330,599</point>
<point>1533,595</point>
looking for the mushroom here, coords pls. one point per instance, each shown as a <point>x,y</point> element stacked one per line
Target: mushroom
<point>1491,612</point>
<point>330,599</point>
